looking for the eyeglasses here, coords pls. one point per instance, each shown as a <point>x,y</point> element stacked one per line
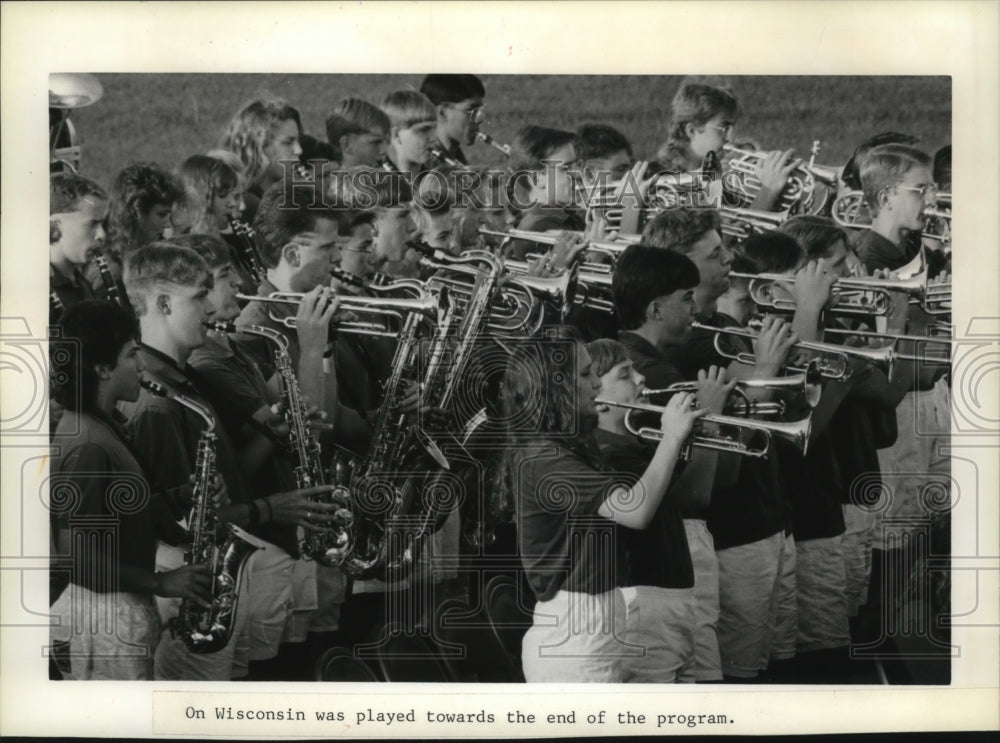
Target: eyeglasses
<point>726,130</point>
<point>474,114</point>
<point>924,190</point>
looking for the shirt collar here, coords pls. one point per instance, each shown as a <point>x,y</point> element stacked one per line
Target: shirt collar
<point>160,365</point>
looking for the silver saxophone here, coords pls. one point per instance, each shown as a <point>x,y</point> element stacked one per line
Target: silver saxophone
<point>327,547</point>
<point>224,547</point>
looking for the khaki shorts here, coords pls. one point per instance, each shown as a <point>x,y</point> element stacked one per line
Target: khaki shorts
<point>707,664</point>
<point>822,586</point>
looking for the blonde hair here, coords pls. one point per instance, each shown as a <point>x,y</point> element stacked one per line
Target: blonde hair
<point>406,108</point>
<point>885,167</point>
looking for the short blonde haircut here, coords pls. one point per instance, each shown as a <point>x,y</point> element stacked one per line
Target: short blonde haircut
<point>885,167</point>
<point>406,108</point>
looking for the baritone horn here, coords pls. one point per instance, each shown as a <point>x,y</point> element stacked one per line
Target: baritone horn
<point>729,438</point>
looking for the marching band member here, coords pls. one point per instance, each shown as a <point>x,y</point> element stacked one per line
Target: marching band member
<point>598,608</point>
<point>412,119</point>
<point>95,455</point>
<point>359,132</point>
<point>458,100</point>
<point>169,288</point>
<point>77,210</point>
<point>264,134</point>
<point>542,186</point>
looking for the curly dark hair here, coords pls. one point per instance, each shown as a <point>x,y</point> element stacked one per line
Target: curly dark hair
<point>137,189</point>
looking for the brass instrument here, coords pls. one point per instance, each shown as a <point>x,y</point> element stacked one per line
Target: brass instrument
<point>806,191</point>
<point>247,249</point>
<point>797,432</point>
<point>68,91</point>
<point>739,223</point>
<point>832,360</point>
<point>587,288</point>
<point>850,211</point>
<point>224,547</point>
<point>372,549</point>
<point>944,342</point>
<point>867,296</point>
<point>328,548</point>
<point>56,306</point>
<point>379,316</point>
<point>110,285</point>
<point>807,383</point>
<point>487,139</point>
<point>612,249</point>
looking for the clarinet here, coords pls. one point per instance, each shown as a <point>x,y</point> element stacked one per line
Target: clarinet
<point>449,161</point>
<point>247,248</point>
<point>225,548</point>
<point>487,139</point>
<point>327,548</point>
<point>56,306</point>
<point>110,285</point>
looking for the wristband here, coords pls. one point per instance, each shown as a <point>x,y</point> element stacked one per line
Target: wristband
<point>270,509</point>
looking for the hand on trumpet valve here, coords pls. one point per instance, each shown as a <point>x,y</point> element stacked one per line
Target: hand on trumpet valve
<point>566,250</point>
<point>315,313</point>
<point>772,345</point>
<point>679,416</point>
<point>813,284</point>
<point>713,389</point>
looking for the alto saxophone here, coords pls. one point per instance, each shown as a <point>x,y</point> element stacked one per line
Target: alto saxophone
<point>325,547</point>
<point>224,547</point>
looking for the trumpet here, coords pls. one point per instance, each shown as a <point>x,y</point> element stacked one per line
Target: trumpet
<point>861,295</point>
<point>382,316</point>
<point>832,360</point>
<point>590,289</point>
<point>797,432</point>
<point>944,342</point>
<point>487,139</point>
<point>741,223</point>
<point>807,383</point>
<point>850,211</point>
<point>613,249</point>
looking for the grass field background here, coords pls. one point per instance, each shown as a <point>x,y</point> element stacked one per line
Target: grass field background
<point>168,117</point>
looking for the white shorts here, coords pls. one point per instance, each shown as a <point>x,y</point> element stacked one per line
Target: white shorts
<point>174,661</point>
<point>748,600</point>
<point>786,612</point>
<point>707,664</point>
<point>822,587</point>
<point>269,599</point>
<point>111,636</point>
<point>858,540</point>
<point>638,634</point>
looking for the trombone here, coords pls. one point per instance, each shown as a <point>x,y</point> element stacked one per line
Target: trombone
<point>797,432</point>
<point>807,383</point>
<point>377,315</point>
<point>832,360</point>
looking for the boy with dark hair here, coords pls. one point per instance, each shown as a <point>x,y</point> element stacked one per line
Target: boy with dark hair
<point>458,100</point>
<point>77,210</point>
<point>106,613</point>
<point>603,152</point>
<point>542,186</point>
<point>359,131</point>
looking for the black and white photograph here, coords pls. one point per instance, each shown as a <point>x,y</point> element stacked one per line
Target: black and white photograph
<point>474,380</point>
